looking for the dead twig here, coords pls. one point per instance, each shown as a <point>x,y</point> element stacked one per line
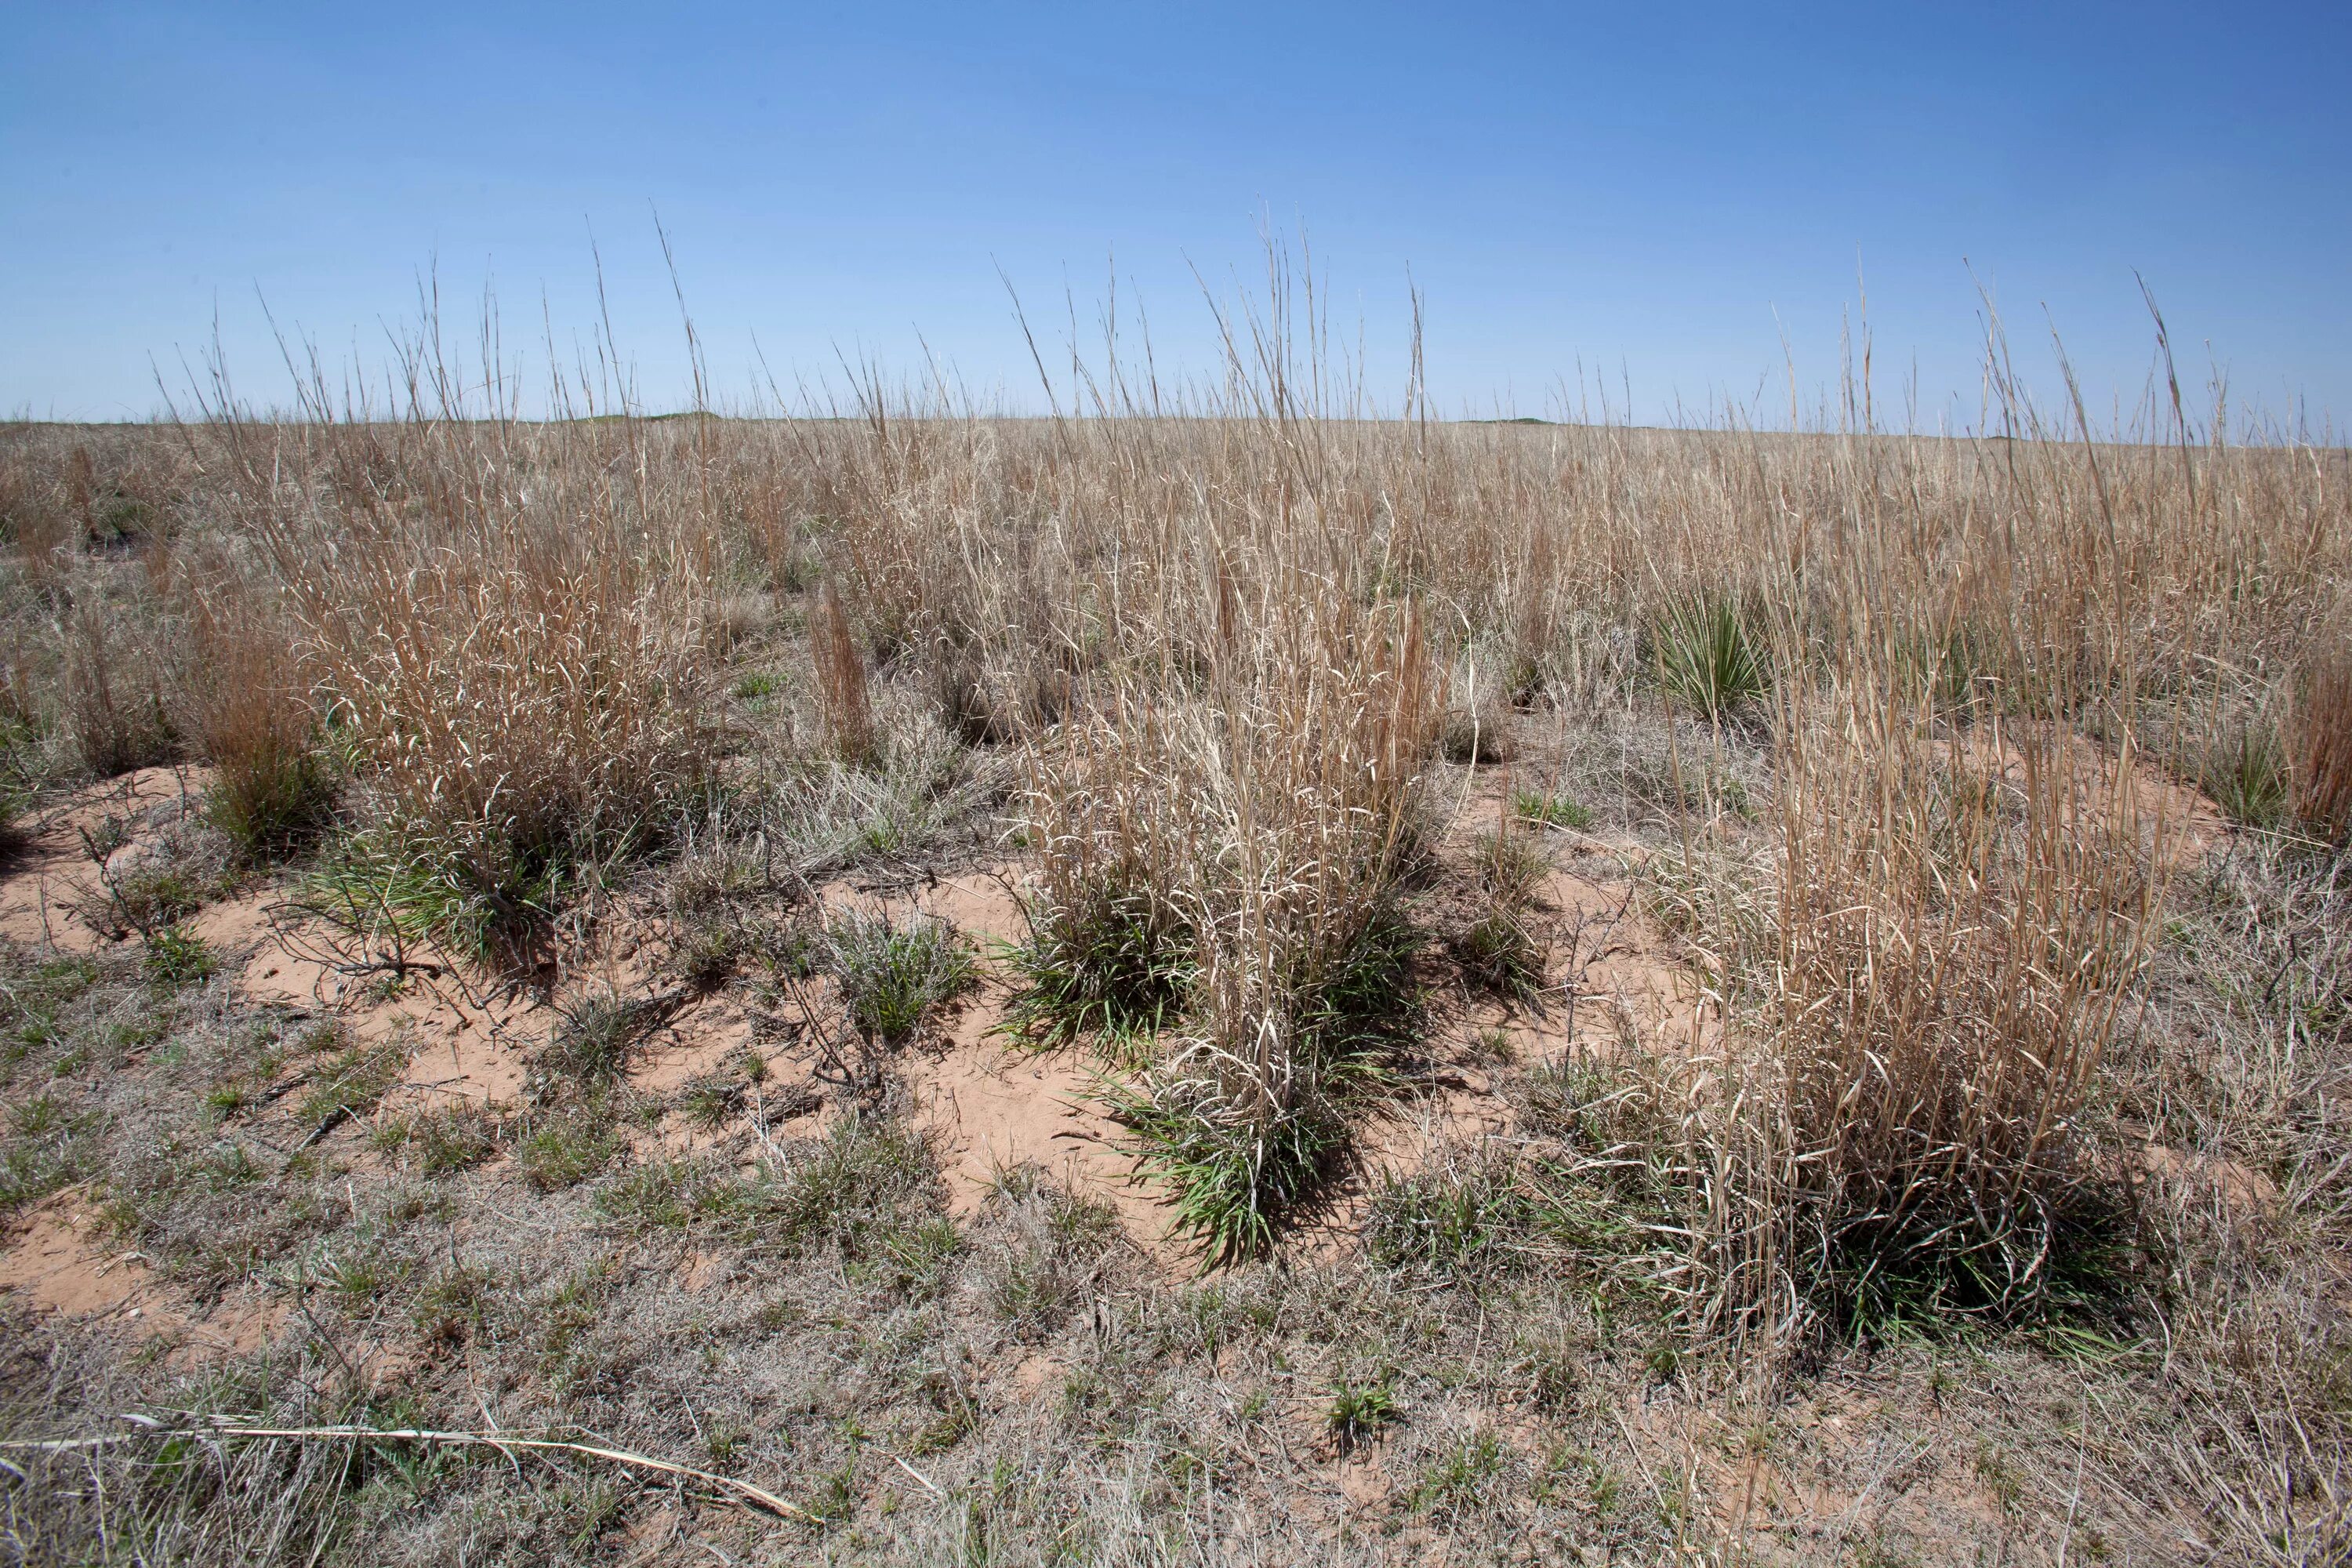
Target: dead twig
<point>740,1491</point>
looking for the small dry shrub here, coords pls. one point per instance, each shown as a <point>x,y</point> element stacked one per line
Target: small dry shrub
<point>1476,727</point>
<point>112,697</point>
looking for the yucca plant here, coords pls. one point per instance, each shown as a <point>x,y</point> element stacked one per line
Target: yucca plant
<point>1706,659</point>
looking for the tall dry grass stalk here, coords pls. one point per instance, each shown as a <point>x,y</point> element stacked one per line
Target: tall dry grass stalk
<point>842,704</point>
<point>2322,727</point>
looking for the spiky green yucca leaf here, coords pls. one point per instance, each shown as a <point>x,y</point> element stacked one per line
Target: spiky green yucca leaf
<point>1705,658</point>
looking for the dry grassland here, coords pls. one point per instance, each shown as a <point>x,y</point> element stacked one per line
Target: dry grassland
<point>1207,980</point>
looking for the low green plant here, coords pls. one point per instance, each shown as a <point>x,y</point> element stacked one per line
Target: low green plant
<point>1245,1150</point>
<point>917,1256</point>
<point>351,1081</point>
<point>564,1150</point>
<point>252,718</point>
<point>1053,1243</point>
<point>1359,1412</point>
<point>1461,1478</point>
<point>355,1278</point>
<point>1552,810</point>
<point>1237,1169</point>
<point>2245,773</point>
<point>863,1186</point>
<point>274,799</point>
<point>705,948</point>
<point>893,974</point>
<point>449,1308</point>
<point>1469,737</point>
<point>759,683</point>
<point>588,1046</point>
<point>711,1100</point>
<point>1507,947</point>
<point>149,893</point>
<point>1116,963</point>
<point>176,958</point>
<point>1458,1221</point>
<point>453,1138</point>
<point>12,835</point>
<point>396,883</point>
<point>667,1195</point>
<point>47,1145</point>
<point>1502,952</point>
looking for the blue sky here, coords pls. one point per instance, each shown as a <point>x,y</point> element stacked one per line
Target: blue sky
<point>1655,194</point>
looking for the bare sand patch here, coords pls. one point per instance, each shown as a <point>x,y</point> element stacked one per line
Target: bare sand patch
<point>45,885</point>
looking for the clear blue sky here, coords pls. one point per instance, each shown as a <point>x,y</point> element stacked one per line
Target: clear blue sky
<point>1659,190</point>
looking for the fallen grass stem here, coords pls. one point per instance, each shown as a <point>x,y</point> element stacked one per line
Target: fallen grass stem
<point>740,1491</point>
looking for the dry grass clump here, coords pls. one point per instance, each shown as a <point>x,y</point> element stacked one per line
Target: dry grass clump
<point>113,701</point>
<point>509,723</point>
<point>1863,713</point>
<point>1476,727</point>
<point>250,717</point>
<point>893,974</point>
<point>513,652</point>
<point>1955,931</point>
<point>1506,944</point>
<point>1232,866</point>
<point>38,527</point>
